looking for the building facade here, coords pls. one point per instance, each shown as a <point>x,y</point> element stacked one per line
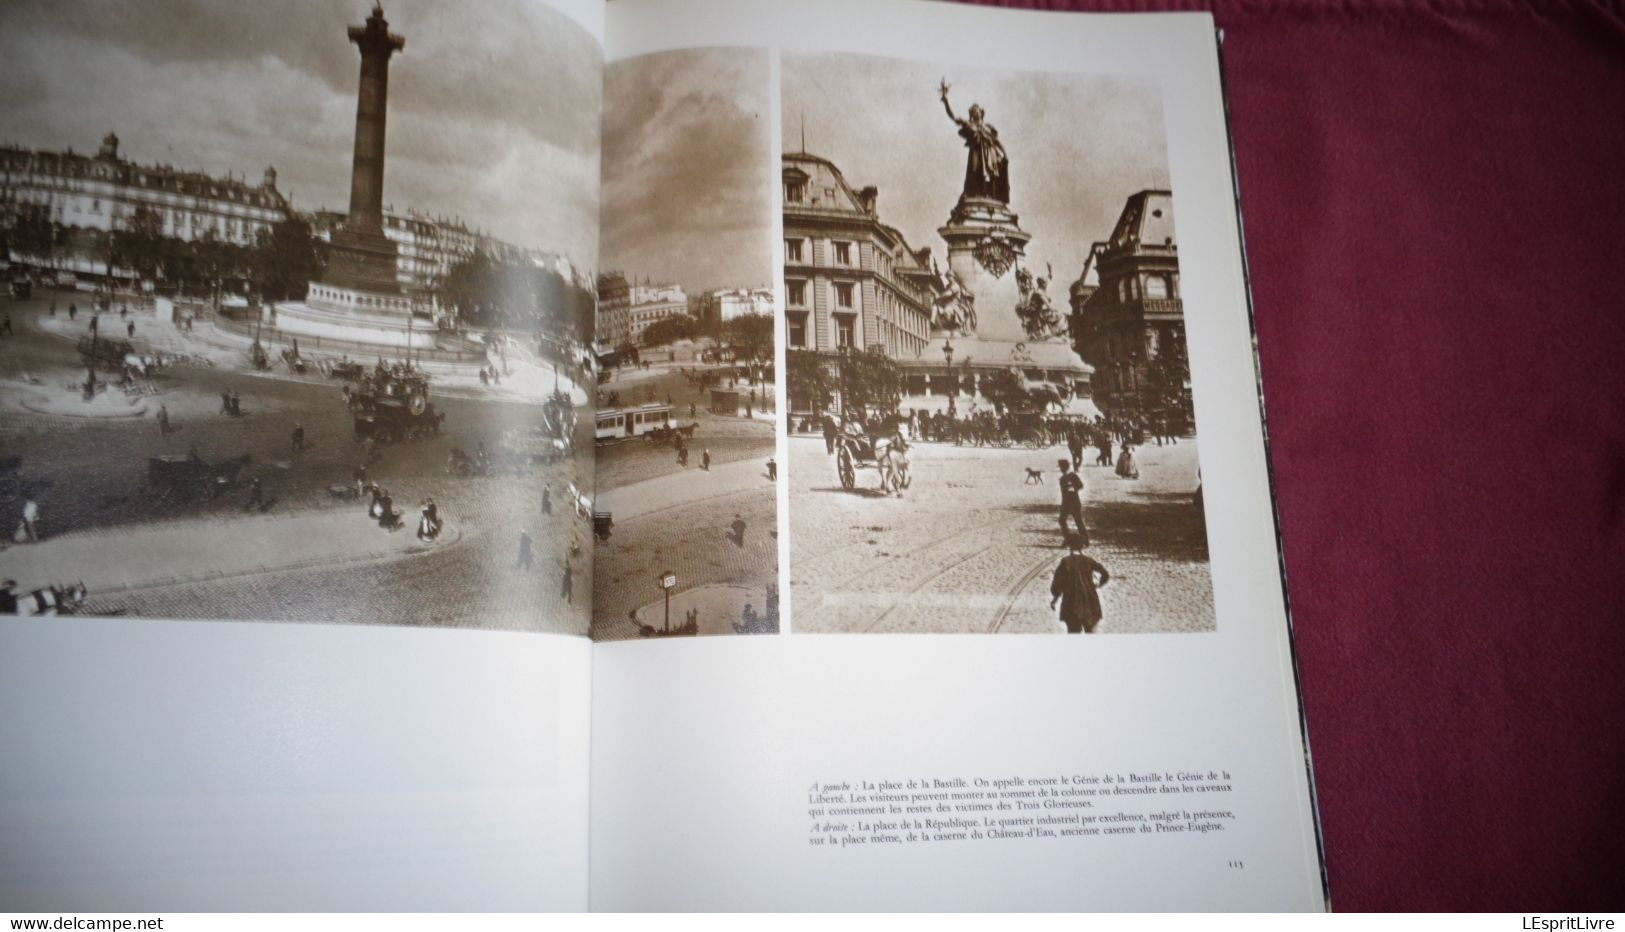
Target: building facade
<point>649,303</point>
<point>850,280</point>
<point>104,193</point>
<point>613,327</point>
<point>724,304</point>
<point>1126,307</point>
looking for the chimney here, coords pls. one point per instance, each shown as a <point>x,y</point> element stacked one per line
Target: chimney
<point>867,197</point>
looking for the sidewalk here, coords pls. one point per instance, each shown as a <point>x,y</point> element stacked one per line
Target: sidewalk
<point>683,488</point>
<point>193,550</point>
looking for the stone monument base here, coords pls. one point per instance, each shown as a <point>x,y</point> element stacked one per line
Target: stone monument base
<point>336,313</point>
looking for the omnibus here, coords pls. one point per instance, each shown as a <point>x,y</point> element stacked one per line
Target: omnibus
<point>615,423</point>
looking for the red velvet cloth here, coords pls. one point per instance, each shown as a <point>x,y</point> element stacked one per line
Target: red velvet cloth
<point>1434,205</point>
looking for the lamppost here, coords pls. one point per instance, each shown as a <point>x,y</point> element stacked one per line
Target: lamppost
<point>668,582</point>
<point>953,382</point>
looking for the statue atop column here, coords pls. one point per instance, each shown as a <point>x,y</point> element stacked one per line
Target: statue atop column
<point>987,168</point>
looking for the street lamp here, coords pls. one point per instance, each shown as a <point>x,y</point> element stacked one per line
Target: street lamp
<point>668,582</point>
<point>953,383</point>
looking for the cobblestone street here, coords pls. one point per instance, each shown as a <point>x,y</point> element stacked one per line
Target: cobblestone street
<point>970,548</point>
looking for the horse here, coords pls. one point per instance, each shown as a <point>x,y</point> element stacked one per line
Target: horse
<point>47,602</point>
<point>891,456</point>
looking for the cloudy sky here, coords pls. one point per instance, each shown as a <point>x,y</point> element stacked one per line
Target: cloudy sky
<point>1079,145</point>
<point>493,106</point>
<point>689,190</point>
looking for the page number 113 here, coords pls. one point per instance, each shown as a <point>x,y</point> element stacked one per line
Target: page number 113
<point>1235,865</point>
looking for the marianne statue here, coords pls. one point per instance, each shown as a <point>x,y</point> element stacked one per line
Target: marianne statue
<point>987,168</point>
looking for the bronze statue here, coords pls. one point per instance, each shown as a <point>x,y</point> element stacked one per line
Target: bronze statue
<point>987,168</point>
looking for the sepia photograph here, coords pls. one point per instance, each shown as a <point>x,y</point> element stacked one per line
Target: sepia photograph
<point>686,521</point>
<point>991,420</point>
<point>298,311</point>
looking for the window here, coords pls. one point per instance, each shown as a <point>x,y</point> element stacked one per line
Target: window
<point>796,293</point>
<point>1156,286</point>
<point>793,250</point>
<point>843,295</point>
<point>843,253</point>
<point>797,324</point>
<point>844,326</point>
<point>795,190</point>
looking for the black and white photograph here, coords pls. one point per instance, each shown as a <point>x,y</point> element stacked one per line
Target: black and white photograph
<point>686,521</point>
<point>991,420</point>
<point>298,311</point>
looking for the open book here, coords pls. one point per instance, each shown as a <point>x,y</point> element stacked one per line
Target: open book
<point>658,415</point>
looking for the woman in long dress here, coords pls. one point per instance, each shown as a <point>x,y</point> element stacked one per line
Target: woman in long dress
<point>1127,468</point>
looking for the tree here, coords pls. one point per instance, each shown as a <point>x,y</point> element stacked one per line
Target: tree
<point>139,241</point>
<point>284,260</point>
<point>1168,376</point>
<point>808,380</point>
<point>871,383</point>
<point>750,336</point>
<point>669,330</point>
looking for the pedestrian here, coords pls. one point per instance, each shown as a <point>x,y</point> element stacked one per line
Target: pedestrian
<point>772,469</point>
<point>1105,443</point>
<point>692,411</point>
<point>298,437</point>
<point>130,328</point>
<point>738,531</point>
<point>73,311</point>
<point>256,494</point>
<point>163,420</point>
<point>1074,445</point>
<point>705,459</point>
<point>829,434</point>
<point>1072,500</point>
<point>236,404</point>
<point>1076,584</point>
<point>95,319</point>
<point>29,529</point>
<point>6,326</point>
<point>225,403</point>
<point>567,584</point>
<point>1126,467</point>
<point>547,500</point>
<point>359,476</point>
<point>524,551</point>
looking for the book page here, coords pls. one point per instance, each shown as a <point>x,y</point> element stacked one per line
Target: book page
<point>297,329</point>
<point>1016,398</point>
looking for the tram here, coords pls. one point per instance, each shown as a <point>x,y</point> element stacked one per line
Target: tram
<point>617,423</point>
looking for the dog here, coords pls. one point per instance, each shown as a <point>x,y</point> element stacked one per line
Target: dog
<point>1034,477</point>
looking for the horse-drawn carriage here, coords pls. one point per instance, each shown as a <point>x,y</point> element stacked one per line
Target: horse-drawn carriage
<point>394,405</point>
<point>881,447</point>
<point>192,477</point>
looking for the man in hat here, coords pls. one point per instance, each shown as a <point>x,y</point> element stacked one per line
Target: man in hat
<point>1072,499</point>
<point>1078,578</point>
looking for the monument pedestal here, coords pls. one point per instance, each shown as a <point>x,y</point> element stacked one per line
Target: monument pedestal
<point>362,260</point>
<point>985,243</point>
